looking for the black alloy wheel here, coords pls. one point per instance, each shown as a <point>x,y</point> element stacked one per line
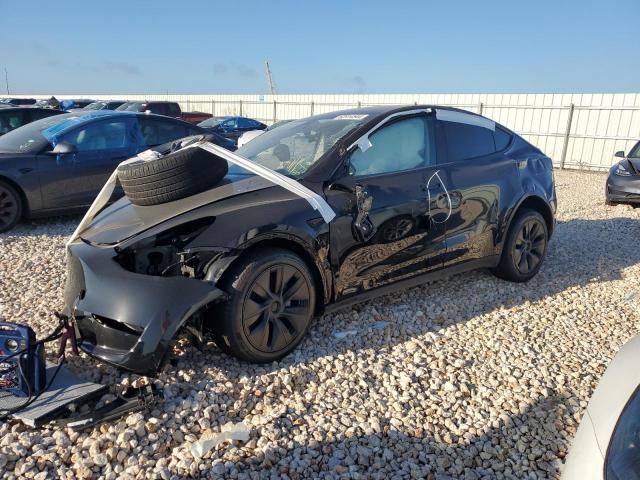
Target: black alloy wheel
<point>10,207</point>
<point>524,248</point>
<point>271,304</point>
<point>276,308</point>
<point>529,246</point>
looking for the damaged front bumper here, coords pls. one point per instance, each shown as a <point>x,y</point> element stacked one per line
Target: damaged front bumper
<point>124,318</point>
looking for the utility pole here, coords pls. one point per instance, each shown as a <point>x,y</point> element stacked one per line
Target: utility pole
<point>6,80</point>
<point>267,71</point>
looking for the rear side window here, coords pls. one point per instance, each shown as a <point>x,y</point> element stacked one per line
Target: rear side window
<point>466,141</point>
<point>502,139</point>
<point>402,145</point>
<point>156,132</point>
<point>38,114</point>
<point>11,120</point>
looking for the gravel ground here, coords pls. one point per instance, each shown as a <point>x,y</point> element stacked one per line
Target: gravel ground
<point>470,377</point>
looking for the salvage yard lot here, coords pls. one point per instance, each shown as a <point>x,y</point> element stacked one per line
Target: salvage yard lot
<point>470,377</point>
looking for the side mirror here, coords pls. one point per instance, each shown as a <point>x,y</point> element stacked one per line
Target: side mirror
<point>620,154</point>
<point>64,148</point>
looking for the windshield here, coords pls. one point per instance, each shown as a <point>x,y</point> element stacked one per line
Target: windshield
<point>95,106</point>
<point>211,122</point>
<point>131,107</point>
<point>293,148</point>
<point>28,138</point>
<point>635,151</point>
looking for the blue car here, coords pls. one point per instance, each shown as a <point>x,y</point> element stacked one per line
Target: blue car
<point>231,127</point>
<point>59,164</point>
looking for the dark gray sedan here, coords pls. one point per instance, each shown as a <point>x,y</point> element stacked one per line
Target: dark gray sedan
<point>623,183</point>
<point>59,164</point>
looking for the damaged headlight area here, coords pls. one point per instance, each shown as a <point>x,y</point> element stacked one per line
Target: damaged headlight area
<point>168,254</point>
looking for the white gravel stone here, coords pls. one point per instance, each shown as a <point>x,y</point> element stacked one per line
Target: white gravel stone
<point>470,377</point>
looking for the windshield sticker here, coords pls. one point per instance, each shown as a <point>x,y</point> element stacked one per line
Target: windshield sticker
<point>351,117</point>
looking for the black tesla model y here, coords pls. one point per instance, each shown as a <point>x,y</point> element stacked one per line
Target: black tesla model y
<point>311,216</point>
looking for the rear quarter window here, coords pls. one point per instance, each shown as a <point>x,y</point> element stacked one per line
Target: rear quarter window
<point>502,139</point>
<point>464,141</point>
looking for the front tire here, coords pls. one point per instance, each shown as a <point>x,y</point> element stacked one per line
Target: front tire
<point>10,207</point>
<point>270,306</point>
<point>525,248</point>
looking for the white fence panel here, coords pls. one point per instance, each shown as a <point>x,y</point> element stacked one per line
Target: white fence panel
<point>599,123</point>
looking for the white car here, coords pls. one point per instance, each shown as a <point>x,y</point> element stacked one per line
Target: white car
<point>607,444</point>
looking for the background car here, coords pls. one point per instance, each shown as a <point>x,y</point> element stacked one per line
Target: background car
<point>251,134</point>
<point>607,443</point>
<point>170,109</point>
<point>18,101</point>
<point>370,200</point>
<point>74,103</point>
<point>232,127</point>
<point>14,117</point>
<point>104,105</point>
<point>58,164</point>
<point>623,182</point>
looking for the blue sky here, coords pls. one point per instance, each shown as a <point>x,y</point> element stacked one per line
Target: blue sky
<point>455,46</point>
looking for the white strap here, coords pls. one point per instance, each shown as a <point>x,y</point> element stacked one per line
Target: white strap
<point>316,201</point>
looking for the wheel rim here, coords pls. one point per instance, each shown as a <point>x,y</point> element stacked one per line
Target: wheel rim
<point>8,207</point>
<point>398,230</point>
<point>529,246</point>
<point>276,308</point>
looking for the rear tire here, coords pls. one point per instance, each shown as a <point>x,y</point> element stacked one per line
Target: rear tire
<point>10,207</point>
<point>525,247</point>
<point>270,306</point>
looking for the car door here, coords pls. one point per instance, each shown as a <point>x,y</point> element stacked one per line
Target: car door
<point>74,179</point>
<point>386,229</point>
<point>479,176</point>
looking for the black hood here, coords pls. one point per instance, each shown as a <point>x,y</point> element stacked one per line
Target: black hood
<point>122,219</point>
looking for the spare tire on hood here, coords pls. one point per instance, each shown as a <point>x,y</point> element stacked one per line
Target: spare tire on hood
<point>171,177</point>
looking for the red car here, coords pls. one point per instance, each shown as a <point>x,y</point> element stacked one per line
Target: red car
<point>168,109</point>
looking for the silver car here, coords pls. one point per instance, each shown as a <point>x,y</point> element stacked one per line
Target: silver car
<point>607,444</point>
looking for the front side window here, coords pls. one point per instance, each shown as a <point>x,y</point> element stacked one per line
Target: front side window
<point>465,141</point>
<point>230,123</point>
<point>294,148</point>
<point>402,145</point>
<point>635,151</point>
<point>107,135</point>
<point>623,455</point>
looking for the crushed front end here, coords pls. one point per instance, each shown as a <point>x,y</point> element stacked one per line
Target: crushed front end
<point>129,303</point>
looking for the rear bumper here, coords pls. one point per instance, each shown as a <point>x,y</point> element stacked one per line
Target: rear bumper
<point>125,318</point>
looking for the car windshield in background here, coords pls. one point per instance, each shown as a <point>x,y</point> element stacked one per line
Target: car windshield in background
<point>635,151</point>
<point>293,148</point>
<point>131,107</point>
<point>28,138</point>
<point>211,122</point>
<point>95,106</point>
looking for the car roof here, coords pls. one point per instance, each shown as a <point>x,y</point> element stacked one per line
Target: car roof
<point>25,107</point>
<point>80,117</point>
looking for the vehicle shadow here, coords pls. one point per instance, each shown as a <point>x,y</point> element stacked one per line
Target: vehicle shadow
<point>517,445</point>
